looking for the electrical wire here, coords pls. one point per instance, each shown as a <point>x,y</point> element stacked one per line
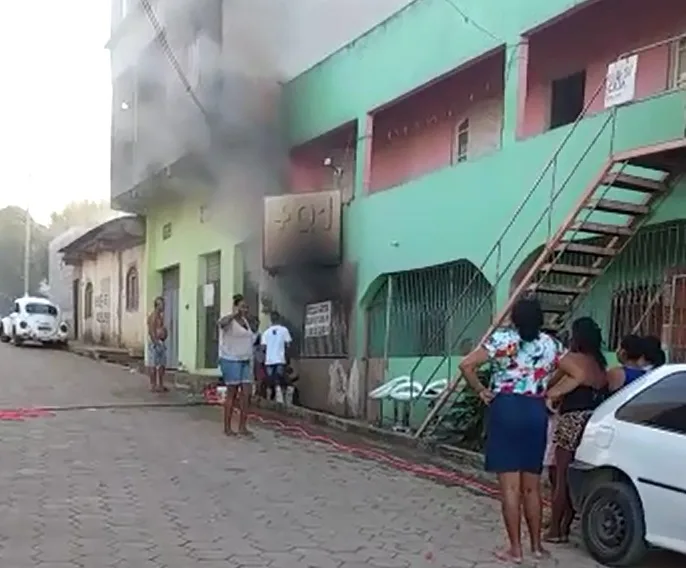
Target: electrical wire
<point>428,471</point>
<point>161,38</point>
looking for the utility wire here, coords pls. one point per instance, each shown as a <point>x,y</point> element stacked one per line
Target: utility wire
<point>471,21</point>
<point>161,36</point>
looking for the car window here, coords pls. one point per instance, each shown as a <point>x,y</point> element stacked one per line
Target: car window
<point>662,405</point>
<point>41,309</point>
<point>16,307</point>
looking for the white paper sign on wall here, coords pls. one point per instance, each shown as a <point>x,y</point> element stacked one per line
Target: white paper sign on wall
<point>208,295</point>
<point>620,83</point>
<point>318,319</point>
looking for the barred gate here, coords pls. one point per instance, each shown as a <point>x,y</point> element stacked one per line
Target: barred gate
<point>644,290</point>
<point>408,314</point>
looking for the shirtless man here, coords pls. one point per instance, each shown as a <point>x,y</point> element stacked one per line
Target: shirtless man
<point>157,349</point>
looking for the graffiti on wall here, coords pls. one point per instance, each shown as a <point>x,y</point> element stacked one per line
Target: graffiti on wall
<point>102,309</point>
<point>344,388</point>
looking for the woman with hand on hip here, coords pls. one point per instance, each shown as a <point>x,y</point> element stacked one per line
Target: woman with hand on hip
<point>236,340</point>
<point>522,359</point>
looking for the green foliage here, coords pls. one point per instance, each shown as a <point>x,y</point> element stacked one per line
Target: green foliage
<point>12,238</point>
<point>464,423</point>
<point>79,214</point>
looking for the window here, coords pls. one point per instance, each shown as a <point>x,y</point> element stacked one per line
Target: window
<point>166,231</point>
<point>678,64</point>
<point>41,309</point>
<point>462,141</point>
<point>88,301</point>
<point>132,290</point>
<point>663,405</point>
<point>16,307</point>
<point>567,99</point>
<point>638,306</point>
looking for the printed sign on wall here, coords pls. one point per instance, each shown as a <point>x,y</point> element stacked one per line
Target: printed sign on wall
<point>620,83</point>
<point>318,319</point>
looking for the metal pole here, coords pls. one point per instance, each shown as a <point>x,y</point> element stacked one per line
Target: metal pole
<point>27,251</point>
<point>387,331</point>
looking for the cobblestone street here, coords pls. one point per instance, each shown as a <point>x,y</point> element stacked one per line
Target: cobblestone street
<point>152,488</point>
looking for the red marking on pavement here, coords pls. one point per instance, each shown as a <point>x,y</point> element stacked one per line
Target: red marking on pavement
<point>21,414</point>
<point>429,471</point>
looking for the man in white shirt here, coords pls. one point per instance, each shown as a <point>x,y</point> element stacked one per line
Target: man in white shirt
<point>276,340</point>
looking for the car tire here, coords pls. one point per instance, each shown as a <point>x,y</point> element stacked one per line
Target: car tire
<point>17,342</point>
<point>613,525</point>
<point>4,338</point>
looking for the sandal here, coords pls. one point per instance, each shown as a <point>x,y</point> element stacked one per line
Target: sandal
<point>552,539</point>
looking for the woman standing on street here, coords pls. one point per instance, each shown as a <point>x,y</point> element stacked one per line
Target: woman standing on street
<point>236,340</point>
<point>578,400</point>
<point>523,359</point>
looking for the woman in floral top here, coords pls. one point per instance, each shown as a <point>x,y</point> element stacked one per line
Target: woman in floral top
<point>523,359</point>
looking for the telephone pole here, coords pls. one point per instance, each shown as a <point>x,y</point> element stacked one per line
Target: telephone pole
<point>27,250</point>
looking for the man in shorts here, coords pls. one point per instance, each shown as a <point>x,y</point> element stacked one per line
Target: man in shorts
<point>276,340</point>
<point>157,348</point>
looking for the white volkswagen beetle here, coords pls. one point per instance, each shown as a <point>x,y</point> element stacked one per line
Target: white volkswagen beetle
<point>37,320</point>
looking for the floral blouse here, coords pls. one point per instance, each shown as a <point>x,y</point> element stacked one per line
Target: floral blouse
<point>521,367</point>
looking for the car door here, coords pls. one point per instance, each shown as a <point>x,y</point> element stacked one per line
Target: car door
<point>651,436</point>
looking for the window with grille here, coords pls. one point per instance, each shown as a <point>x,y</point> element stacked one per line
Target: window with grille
<point>430,312</point>
<point>132,290</point>
<point>88,301</point>
<point>462,141</point>
<point>635,310</point>
<point>678,71</point>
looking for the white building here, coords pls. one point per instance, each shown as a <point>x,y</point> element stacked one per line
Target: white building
<point>108,280</point>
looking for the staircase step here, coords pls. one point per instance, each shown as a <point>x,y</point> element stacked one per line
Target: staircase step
<point>561,289</point>
<point>604,229</point>
<point>555,308</point>
<point>615,206</point>
<point>634,183</point>
<point>586,249</point>
<point>572,269</point>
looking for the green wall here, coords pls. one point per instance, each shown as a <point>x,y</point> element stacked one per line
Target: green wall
<point>459,212</point>
<point>190,240</point>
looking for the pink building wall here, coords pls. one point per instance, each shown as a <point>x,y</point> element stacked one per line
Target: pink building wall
<point>308,172</point>
<point>417,135</point>
<point>592,38</point>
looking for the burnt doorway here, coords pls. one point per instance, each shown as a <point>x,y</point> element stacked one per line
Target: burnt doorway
<point>76,311</point>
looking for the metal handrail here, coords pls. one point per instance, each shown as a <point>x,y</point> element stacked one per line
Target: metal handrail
<point>497,246</point>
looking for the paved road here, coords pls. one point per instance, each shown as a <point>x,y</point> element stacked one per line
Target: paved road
<point>156,488</point>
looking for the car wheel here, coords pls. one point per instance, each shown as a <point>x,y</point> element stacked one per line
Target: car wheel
<point>612,524</point>
<point>4,338</point>
<point>16,340</point>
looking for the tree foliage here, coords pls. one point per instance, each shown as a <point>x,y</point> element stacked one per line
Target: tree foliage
<point>12,239</point>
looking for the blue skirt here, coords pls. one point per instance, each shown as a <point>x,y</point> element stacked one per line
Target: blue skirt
<point>517,431</point>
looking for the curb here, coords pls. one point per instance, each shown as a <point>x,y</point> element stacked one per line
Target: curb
<point>450,457</point>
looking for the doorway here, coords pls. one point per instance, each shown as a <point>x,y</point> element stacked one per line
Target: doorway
<point>170,293</point>
<point>208,333</point>
<point>76,312</point>
<point>567,96</point>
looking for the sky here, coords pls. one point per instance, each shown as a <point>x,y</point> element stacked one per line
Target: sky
<point>54,103</point>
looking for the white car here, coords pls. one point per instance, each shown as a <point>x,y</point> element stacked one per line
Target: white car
<point>37,320</point>
<point>628,478</point>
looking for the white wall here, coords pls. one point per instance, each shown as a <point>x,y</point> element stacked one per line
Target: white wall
<point>111,324</point>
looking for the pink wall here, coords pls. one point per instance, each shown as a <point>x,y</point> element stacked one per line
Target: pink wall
<point>590,39</point>
<point>307,170</point>
<point>416,135</point>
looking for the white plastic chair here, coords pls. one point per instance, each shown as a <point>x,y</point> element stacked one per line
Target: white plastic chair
<point>385,389</point>
<point>435,388</point>
<point>404,392</point>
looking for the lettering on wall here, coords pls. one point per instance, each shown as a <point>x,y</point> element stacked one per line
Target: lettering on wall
<point>302,229</point>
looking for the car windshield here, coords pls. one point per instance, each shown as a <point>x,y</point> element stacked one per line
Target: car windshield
<point>41,309</point>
